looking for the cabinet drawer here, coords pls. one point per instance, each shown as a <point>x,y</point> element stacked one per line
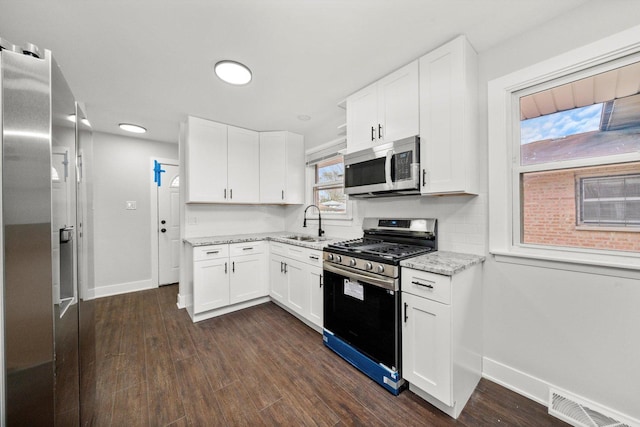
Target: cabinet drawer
<point>210,252</point>
<point>247,248</point>
<point>313,257</point>
<point>435,287</point>
<point>278,248</point>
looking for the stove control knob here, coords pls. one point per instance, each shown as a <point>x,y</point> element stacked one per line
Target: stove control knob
<point>368,266</point>
<point>338,258</point>
<point>330,257</point>
<point>380,269</point>
<point>353,262</point>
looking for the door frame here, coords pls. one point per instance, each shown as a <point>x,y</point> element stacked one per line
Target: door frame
<point>153,190</point>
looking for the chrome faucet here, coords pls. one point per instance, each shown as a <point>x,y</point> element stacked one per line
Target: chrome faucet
<point>304,224</point>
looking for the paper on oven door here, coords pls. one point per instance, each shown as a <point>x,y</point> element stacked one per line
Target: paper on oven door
<point>353,289</point>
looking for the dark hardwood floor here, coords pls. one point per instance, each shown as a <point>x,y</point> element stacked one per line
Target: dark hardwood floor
<point>259,366</point>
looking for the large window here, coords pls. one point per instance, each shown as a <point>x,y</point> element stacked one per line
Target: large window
<point>576,177</point>
<point>328,188</point>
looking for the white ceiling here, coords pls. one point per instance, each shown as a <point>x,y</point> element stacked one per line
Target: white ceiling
<point>150,61</point>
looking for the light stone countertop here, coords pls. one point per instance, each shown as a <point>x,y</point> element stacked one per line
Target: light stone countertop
<point>443,262</point>
<point>279,236</point>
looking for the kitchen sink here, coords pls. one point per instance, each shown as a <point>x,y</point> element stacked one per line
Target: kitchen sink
<point>306,238</point>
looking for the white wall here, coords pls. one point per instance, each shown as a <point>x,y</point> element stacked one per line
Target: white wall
<point>575,331</point>
<point>122,172</point>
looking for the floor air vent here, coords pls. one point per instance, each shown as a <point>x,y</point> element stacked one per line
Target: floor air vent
<point>580,413</point>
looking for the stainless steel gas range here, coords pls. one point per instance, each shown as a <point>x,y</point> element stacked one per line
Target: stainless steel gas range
<point>362,294</point>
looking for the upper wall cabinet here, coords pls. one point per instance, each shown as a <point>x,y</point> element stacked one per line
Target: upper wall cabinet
<point>448,119</point>
<point>223,163</point>
<point>384,111</point>
<point>281,168</point>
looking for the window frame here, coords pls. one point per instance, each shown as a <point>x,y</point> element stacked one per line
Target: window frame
<point>505,240</point>
<point>312,185</point>
<point>581,224</point>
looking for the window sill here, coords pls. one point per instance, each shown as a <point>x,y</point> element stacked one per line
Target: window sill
<point>624,265</point>
<point>605,228</point>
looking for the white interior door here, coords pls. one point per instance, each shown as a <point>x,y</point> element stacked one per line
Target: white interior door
<point>169,225</point>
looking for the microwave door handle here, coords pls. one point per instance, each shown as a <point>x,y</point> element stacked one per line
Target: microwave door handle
<point>387,168</point>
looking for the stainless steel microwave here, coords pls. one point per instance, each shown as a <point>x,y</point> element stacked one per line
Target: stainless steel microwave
<point>389,169</point>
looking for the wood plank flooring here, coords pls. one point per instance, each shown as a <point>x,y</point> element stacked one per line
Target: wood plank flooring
<point>256,367</point>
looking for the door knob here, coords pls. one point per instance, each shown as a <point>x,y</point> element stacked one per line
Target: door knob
<point>164,230</point>
<point>163,222</point>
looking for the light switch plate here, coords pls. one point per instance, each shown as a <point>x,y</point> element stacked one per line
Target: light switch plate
<point>131,205</point>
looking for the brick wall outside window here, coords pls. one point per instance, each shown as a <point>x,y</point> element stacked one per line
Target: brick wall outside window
<point>549,210</point>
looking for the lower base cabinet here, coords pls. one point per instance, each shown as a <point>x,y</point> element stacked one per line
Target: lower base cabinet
<point>224,275</point>
<point>442,336</point>
<point>295,276</point>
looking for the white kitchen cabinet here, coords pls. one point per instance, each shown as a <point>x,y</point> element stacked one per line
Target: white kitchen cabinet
<point>384,111</point>
<point>281,168</point>
<point>210,278</point>
<point>224,275</point>
<point>223,163</point>
<point>427,346</point>
<point>206,166</point>
<point>442,336</point>
<point>248,272</point>
<point>448,119</point>
<point>243,165</point>
<point>295,281</point>
<point>277,278</point>
<point>316,303</point>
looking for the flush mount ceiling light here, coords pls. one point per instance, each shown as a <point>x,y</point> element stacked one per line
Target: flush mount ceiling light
<point>132,128</point>
<point>232,72</point>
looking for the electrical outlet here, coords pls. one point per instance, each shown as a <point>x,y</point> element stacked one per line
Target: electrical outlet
<point>131,206</point>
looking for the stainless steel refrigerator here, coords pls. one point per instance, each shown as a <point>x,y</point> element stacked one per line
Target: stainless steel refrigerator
<point>48,347</point>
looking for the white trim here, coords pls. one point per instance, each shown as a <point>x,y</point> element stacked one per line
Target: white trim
<point>326,145</point>
<point>501,117</point>
<point>181,301</point>
<point>532,387</point>
<point>122,288</point>
<point>153,193</point>
<point>522,383</point>
<point>229,309</point>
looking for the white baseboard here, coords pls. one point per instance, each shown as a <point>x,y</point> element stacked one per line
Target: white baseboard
<point>515,380</point>
<point>122,288</point>
<point>182,301</point>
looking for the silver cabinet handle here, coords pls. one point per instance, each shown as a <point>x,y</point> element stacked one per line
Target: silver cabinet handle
<point>282,194</point>
<point>405,312</point>
<point>281,267</point>
<point>373,133</point>
<point>415,282</point>
<point>233,267</point>
<point>321,280</point>
<point>314,257</point>
<point>285,268</point>
<point>212,252</point>
<point>379,131</point>
<point>225,193</point>
<point>248,249</point>
<point>231,193</point>
<point>225,268</point>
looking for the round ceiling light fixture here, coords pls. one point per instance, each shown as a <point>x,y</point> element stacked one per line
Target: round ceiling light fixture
<point>232,72</point>
<point>132,128</point>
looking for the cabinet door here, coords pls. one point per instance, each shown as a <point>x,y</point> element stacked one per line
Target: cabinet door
<point>243,165</point>
<point>277,278</point>
<point>314,277</point>
<point>398,104</point>
<point>297,289</point>
<point>295,165</point>
<point>362,119</point>
<point>210,284</point>
<point>247,279</point>
<point>272,166</point>
<point>426,346</point>
<point>443,155</point>
<point>206,161</point>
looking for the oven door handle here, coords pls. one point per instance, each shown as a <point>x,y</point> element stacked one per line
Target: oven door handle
<point>379,281</point>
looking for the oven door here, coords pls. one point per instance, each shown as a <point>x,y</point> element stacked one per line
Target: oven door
<point>364,312</point>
